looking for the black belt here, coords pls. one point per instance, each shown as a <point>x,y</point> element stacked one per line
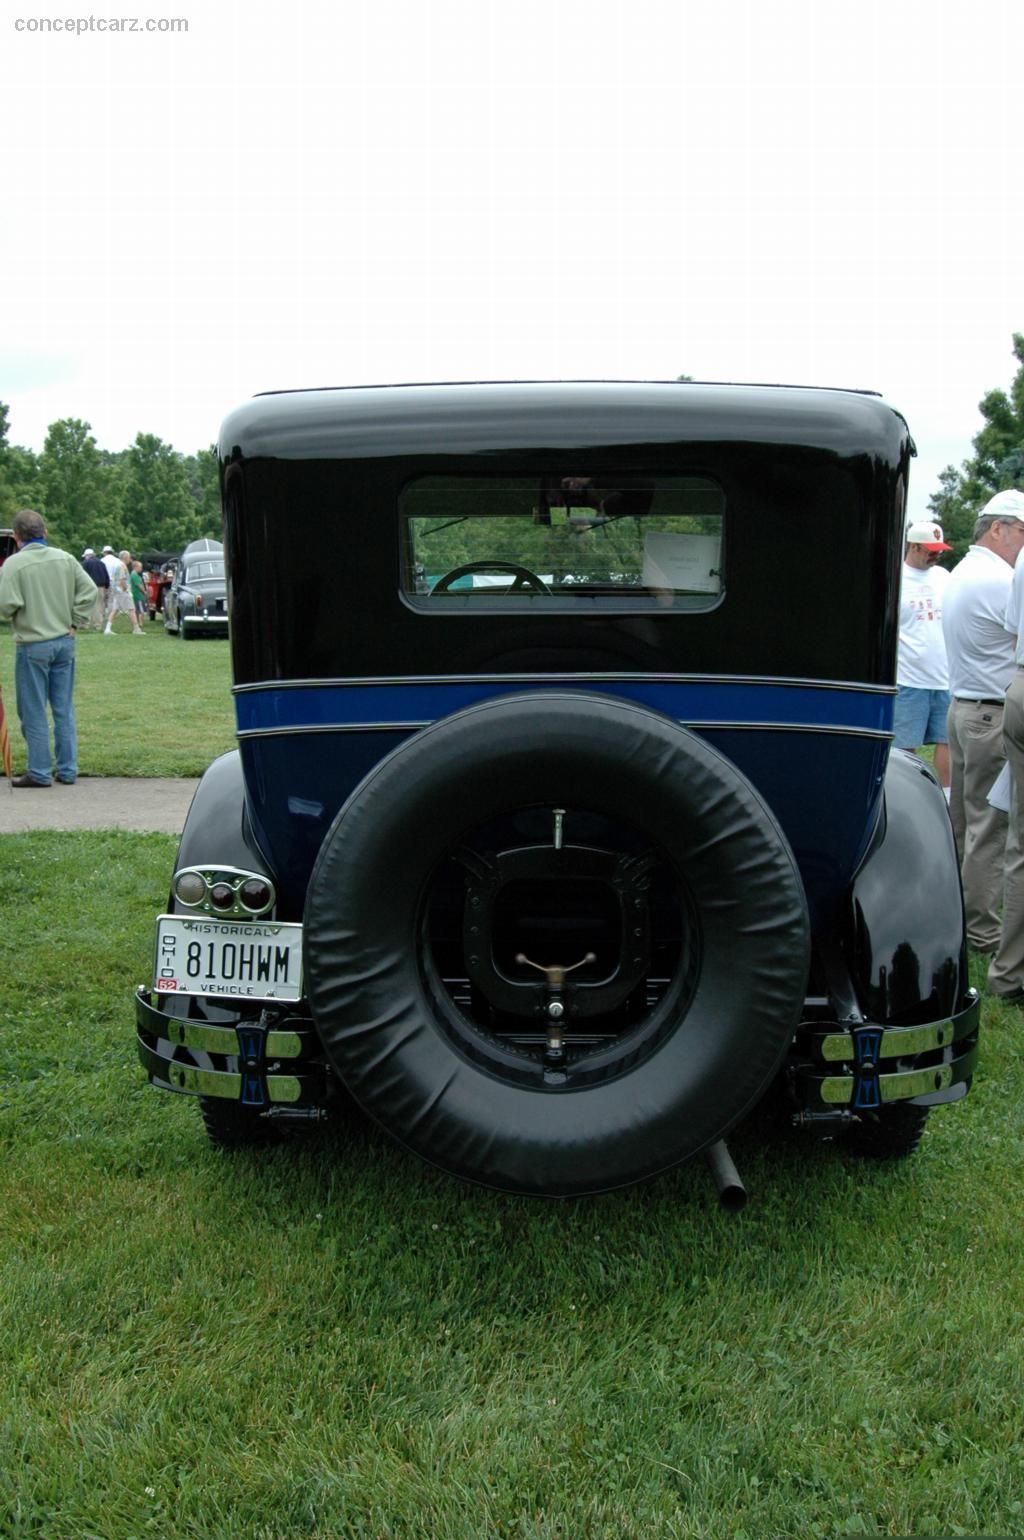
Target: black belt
<point>968,700</point>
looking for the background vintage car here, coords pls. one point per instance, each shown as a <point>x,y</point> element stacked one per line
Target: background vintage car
<point>197,600</point>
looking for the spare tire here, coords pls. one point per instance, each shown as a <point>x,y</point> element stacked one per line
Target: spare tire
<point>661,1074</point>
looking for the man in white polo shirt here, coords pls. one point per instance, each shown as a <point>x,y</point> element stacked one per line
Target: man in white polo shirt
<point>1006,973</point>
<point>922,700</point>
<point>980,652</point>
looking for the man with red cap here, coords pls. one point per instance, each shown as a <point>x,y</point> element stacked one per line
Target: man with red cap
<point>922,702</point>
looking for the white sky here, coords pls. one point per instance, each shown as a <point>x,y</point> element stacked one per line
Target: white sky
<point>809,191</point>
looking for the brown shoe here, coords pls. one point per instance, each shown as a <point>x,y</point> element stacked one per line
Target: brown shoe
<point>23,782</point>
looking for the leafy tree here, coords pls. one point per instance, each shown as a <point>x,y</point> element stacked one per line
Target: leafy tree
<point>74,488</point>
<point>159,504</point>
<point>997,462</point>
<point>19,473</point>
<point>204,483</point>
<point>945,504</point>
<point>20,482</point>
<point>112,527</point>
<point>147,497</point>
<point>1011,469</point>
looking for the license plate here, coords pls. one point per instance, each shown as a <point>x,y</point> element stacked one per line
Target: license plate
<point>251,959</point>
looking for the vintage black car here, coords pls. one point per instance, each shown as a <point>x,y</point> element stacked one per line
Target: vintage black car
<point>564,822</point>
<point>195,603</point>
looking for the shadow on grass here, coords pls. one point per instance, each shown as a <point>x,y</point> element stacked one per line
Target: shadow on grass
<point>350,1190</point>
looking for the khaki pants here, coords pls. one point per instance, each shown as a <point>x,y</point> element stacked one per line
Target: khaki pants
<point>976,757</point>
<point>1006,975</point>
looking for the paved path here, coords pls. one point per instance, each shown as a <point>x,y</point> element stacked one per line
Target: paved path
<point>99,802</point>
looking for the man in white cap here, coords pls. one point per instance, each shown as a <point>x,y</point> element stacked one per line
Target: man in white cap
<point>922,702</point>
<point>121,601</point>
<point>1006,973</point>
<point>111,563</point>
<point>981,664</point>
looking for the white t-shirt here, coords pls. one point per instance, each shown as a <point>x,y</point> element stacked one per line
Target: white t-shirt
<point>922,656</point>
<point>979,648</point>
<point>1015,610</point>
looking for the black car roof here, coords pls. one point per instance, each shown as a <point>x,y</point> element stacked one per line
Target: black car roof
<point>370,421</point>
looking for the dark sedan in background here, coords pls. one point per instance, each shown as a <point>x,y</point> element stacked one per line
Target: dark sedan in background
<point>197,600</point>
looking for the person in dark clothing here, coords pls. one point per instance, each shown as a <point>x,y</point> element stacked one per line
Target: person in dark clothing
<point>97,570</point>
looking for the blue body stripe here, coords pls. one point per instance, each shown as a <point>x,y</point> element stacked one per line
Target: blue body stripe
<point>817,756</point>
<point>411,703</point>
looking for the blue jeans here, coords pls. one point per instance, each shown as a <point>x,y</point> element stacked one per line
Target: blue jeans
<point>45,672</point>
<point>919,717</point>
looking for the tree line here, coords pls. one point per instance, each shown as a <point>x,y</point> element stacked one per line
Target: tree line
<point>144,498</point>
<point>150,497</point>
<point>996,464</point>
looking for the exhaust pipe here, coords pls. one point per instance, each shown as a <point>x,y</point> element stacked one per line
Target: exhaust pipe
<point>732,1195</point>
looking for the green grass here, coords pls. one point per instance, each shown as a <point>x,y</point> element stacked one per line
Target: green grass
<point>149,705</point>
<point>331,1340</point>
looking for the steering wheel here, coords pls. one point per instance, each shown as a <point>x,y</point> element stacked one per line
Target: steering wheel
<point>525,581</point>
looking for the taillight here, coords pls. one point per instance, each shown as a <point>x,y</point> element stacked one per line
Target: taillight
<point>224,890</point>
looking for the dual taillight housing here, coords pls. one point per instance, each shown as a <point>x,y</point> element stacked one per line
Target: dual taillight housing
<point>226,891</point>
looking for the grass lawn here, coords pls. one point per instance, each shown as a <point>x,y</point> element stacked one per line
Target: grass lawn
<point>145,705</point>
<point>330,1340</point>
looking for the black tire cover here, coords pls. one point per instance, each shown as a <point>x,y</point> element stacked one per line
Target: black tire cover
<point>378,1020</point>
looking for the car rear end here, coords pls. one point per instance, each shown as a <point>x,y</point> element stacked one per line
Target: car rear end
<point>723,560</point>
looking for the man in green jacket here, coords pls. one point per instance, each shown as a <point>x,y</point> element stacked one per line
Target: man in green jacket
<point>46,596</point>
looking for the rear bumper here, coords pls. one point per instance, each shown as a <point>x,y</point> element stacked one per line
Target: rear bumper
<point>204,622</point>
<point>863,1067</point>
<point>271,1060</point>
<point>275,1059</point>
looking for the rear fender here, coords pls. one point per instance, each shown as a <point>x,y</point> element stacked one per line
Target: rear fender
<point>891,1017</point>
<point>266,1056</point>
<point>902,925</point>
<point>217,830</point>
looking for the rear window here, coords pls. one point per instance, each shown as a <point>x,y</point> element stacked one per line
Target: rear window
<point>205,569</point>
<point>563,539</point>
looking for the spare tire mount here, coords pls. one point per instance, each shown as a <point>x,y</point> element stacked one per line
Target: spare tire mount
<point>535,1039</point>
